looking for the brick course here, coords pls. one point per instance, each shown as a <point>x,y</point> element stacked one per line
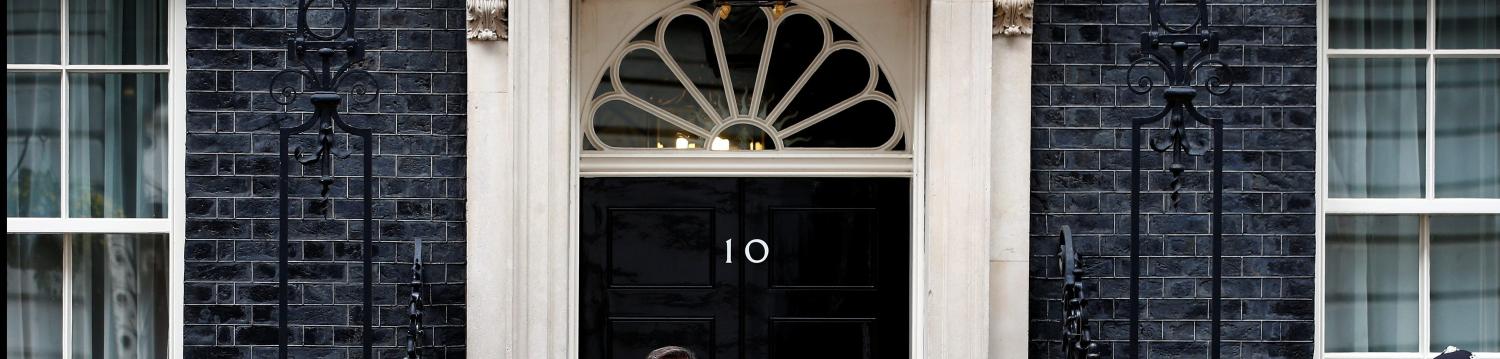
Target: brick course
<point>1081,178</point>
<point>231,293</point>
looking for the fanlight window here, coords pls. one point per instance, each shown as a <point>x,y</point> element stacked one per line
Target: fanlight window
<point>749,81</point>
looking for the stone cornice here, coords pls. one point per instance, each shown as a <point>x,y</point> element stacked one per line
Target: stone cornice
<point>487,20</point>
<point>1013,17</point>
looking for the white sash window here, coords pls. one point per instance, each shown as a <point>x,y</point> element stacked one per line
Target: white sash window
<point>1409,167</point>
<point>93,178</point>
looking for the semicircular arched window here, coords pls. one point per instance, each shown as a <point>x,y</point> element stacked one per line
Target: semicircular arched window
<point>749,81</point>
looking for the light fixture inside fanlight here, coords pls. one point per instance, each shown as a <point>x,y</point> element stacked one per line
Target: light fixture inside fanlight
<point>778,7</point>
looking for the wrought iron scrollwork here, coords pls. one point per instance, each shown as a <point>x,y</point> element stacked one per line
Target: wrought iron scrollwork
<point>414,310</point>
<point>1078,342</point>
<point>1184,59</point>
<point>326,67</point>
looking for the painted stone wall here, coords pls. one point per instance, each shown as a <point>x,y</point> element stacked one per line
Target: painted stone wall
<point>231,294</point>
<point>1081,178</point>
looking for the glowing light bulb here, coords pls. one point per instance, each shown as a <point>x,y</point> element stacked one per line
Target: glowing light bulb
<point>682,142</point>
<point>719,144</point>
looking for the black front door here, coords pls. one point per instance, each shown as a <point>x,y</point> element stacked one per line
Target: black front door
<point>745,268</point>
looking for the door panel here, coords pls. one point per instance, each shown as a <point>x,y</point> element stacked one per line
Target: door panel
<point>833,282</point>
<point>836,286</point>
<point>652,269</point>
<point>661,247</point>
<point>824,339</point>
<point>818,247</point>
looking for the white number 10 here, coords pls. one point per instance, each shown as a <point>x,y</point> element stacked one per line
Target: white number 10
<point>729,251</point>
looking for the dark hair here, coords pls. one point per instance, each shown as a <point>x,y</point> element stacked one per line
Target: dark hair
<point>671,352</point>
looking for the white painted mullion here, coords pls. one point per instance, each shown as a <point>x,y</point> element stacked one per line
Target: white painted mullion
<point>726,79</point>
<point>1424,291</point>
<point>1411,206</point>
<point>1320,174</point>
<point>772,23</point>
<point>87,225</point>
<point>177,184</point>
<point>67,295</point>
<point>120,68</point>
<point>62,116</point>
<point>32,68</point>
<point>1430,172</point>
<point>1376,53</point>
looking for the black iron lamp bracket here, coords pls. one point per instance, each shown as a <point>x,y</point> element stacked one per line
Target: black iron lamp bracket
<point>328,65</point>
<point>1078,341</point>
<point>1184,58</point>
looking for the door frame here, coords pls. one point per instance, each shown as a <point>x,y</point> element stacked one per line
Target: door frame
<point>523,169</point>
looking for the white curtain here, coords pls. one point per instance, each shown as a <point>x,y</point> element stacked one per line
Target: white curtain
<point>1377,140</point>
<point>1466,282</point>
<point>1468,128</point>
<point>1372,283</point>
<point>32,145</point>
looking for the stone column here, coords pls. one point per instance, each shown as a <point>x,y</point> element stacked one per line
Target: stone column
<point>1010,248</point>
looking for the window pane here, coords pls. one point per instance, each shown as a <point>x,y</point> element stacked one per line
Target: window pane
<point>1468,128</point>
<point>1466,282</point>
<point>33,292</point>
<point>1468,24</point>
<point>117,149</point>
<point>1377,24</point>
<point>31,31</point>
<point>32,145</point>
<point>1372,284</point>
<point>119,296</point>
<point>117,32</point>
<point>1377,125</point>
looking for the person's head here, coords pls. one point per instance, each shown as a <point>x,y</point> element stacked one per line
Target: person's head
<point>671,352</point>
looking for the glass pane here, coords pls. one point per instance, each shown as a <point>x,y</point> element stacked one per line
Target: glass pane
<point>691,45</point>
<point>842,76</point>
<point>1377,24</point>
<point>1377,126</point>
<point>866,124</point>
<point>119,296</point>
<point>1372,284</point>
<point>744,35</point>
<point>798,41</point>
<point>1466,282</point>
<point>117,32</point>
<point>621,124</point>
<point>1468,24</point>
<point>645,75</point>
<point>31,31</point>
<point>32,145</point>
<point>117,149</point>
<point>33,296</point>
<point>1468,128</point>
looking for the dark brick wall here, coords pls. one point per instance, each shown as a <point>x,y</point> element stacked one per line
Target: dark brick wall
<point>1081,178</point>
<point>234,46</point>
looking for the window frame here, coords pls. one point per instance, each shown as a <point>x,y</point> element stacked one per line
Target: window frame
<point>173,225</point>
<point>1425,208</point>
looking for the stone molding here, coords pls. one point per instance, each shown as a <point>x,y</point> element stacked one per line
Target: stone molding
<point>1013,17</point>
<point>487,20</point>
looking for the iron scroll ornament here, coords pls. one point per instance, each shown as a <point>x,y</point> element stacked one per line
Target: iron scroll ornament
<point>327,66</point>
<point>1078,342</point>
<point>1185,59</point>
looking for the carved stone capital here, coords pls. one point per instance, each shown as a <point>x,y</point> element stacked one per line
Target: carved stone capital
<point>1013,17</point>
<point>487,20</point>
